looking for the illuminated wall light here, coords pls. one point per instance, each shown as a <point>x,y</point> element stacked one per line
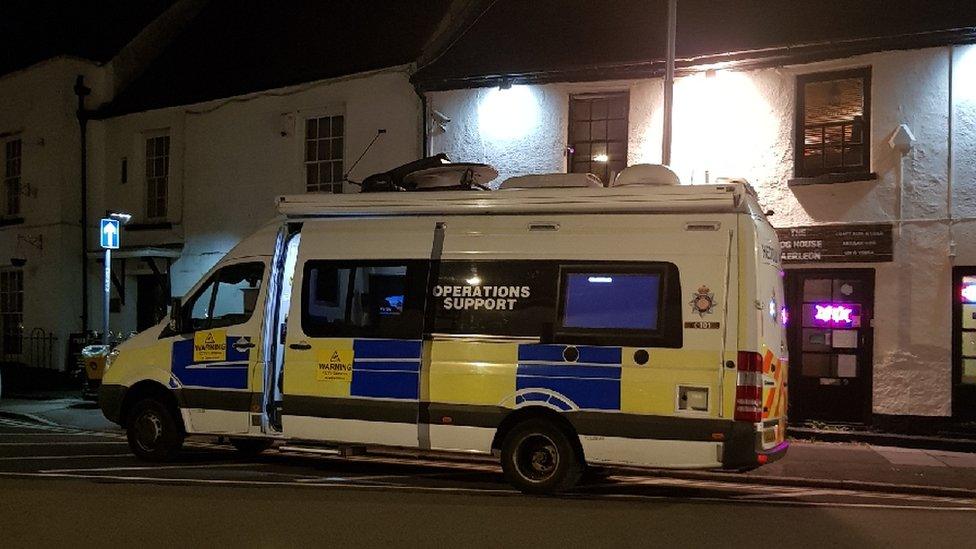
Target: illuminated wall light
<point>511,113</point>
<point>599,280</point>
<point>601,158</point>
<point>968,293</point>
<point>834,314</point>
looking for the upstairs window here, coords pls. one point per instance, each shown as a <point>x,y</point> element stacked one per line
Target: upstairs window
<point>598,134</point>
<point>11,177</point>
<point>324,153</point>
<point>157,176</point>
<point>833,123</point>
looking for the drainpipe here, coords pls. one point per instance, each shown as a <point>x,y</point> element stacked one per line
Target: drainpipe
<point>949,160</point>
<point>669,83</point>
<point>83,91</point>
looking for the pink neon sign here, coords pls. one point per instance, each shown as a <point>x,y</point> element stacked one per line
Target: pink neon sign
<point>834,314</point>
<point>969,293</point>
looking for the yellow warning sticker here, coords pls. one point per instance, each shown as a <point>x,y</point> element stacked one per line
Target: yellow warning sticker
<point>210,346</point>
<point>334,365</point>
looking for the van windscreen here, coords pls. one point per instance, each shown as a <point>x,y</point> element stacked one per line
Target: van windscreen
<point>600,301</point>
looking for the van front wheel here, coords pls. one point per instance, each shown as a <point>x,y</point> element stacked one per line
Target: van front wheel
<point>539,458</point>
<point>152,432</point>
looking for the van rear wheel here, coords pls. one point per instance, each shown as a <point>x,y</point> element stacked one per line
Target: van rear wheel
<point>152,431</point>
<point>540,458</point>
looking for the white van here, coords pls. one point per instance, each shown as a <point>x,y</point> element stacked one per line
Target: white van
<point>554,327</point>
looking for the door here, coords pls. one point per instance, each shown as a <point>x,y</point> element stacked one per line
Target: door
<point>215,362</point>
<point>964,343</point>
<point>151,301</point>
<point>830,342</point>
<point>353,343</point>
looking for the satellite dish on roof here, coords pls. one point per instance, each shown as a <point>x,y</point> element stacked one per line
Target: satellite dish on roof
<point>456,175</point>
<point>551,181</point>
<point>646,174</point>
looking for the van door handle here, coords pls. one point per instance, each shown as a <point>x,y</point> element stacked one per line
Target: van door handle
<point>300,346</point>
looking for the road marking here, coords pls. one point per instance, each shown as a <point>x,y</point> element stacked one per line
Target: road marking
<point>79,456</point>
<point>148,468</point>
<point>72,443</point>
<point>799,494</point>
<point>969,507</point>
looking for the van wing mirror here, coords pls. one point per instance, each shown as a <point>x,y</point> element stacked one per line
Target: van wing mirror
<point>176,316</point>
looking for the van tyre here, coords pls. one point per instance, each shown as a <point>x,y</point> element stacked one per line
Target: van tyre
<point>538,457</point>
<point>152,431</point>
<point>251,446</point>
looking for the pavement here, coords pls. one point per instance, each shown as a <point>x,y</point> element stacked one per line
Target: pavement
<point>63,485</point>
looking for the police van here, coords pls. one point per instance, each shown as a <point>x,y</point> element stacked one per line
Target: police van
<point>555,323</point>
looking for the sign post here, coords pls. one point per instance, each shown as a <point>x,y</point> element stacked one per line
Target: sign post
<point>109,231</point>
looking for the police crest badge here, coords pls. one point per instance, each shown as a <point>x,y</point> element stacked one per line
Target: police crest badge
<point>702,301</point>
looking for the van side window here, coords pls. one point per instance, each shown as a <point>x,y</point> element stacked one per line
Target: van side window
<point>228,298</point>
<point>383,299</point>
<point>509,297</point>
<point>635,303</point>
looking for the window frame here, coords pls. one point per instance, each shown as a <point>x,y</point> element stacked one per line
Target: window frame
<point>669,332</point>
<point>10,294</point>
<point>412,295</point>
<point>155,179</point>
<point>13,180</point>
<point>189,302</point>
<point>837,174</point>
<point>572,143</point>
<point>334,187</point>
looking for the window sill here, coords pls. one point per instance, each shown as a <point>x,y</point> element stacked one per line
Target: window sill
<point>828,178</point>
<point>152,226</point>
<point>6,221</point>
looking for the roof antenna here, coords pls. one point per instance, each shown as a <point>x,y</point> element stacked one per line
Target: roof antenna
<point>379,132</point>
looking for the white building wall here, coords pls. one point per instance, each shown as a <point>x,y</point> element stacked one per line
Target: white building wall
<point>231,158</point>
<point>740,124</point>
<point>39,107</point>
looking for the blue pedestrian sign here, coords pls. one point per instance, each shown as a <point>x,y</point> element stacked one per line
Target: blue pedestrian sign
<point>110,234</point>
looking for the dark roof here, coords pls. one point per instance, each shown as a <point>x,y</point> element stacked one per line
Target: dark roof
<point>35,30</point>
<point>564,40</point>
<point>234,47</point>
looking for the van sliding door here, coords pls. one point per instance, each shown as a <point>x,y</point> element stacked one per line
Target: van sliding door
<point>353,345</point>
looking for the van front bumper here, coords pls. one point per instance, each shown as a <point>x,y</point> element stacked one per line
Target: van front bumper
<point>110,399</point>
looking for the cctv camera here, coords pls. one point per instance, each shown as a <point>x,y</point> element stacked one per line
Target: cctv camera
<point>440,117</point>
<point>18,261</point>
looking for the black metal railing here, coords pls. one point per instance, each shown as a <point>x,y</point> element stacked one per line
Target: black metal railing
<point>36,348</point>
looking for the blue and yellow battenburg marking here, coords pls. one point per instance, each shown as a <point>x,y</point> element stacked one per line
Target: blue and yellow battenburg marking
<point>211,360</point>
<point>386,368</point>
<point>592,381</point>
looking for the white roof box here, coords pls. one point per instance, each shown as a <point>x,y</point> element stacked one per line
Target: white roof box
<point>551,181</point>
<point>646,174</point>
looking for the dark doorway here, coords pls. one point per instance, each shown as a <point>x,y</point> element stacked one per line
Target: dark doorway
<point>151,301</point>
<point>831,339</point>
<point>964,343</point>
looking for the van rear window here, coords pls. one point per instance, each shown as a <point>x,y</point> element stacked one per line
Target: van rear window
<point>607,300</point>
<point>627,303</point>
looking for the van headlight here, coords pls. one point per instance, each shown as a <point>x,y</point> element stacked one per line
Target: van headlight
<point>110,358</point>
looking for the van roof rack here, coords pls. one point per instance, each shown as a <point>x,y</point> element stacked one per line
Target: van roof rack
<point>726,198</point>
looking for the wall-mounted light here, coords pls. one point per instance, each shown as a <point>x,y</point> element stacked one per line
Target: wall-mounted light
<point>122,217</point>
<point>505,114</point>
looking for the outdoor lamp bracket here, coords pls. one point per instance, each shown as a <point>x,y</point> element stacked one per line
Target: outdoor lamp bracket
<point>35,241</point>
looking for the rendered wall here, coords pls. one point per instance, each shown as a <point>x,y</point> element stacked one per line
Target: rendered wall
<point>740,124</point>
<point>230,159</point>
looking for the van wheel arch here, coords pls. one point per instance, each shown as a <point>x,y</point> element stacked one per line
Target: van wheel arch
<point>537,412</point>
<point>154,390</point>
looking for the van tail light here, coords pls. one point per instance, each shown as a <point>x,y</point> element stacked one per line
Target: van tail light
<point>748,387</point>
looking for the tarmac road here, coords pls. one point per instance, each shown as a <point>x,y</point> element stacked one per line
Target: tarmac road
<point>62,486</point>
